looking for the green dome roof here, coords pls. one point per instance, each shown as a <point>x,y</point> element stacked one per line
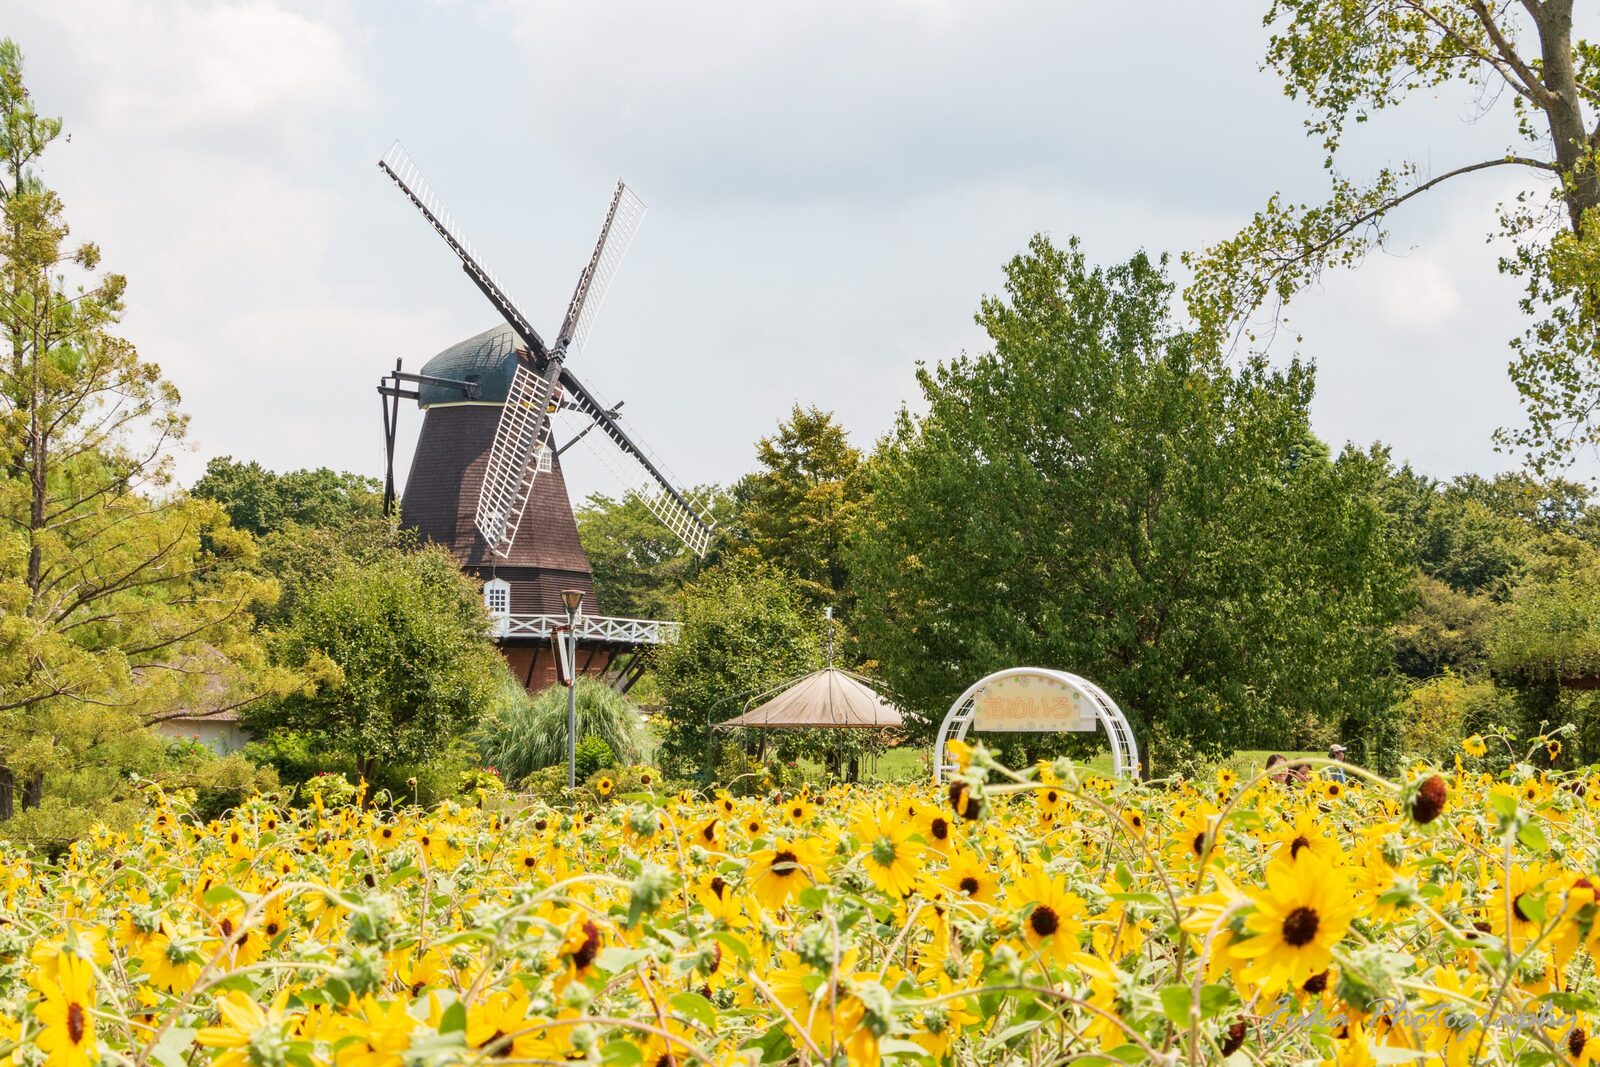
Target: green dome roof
<point>488,359</point>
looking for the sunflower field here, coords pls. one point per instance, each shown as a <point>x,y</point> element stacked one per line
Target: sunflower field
<point>1036,917</point>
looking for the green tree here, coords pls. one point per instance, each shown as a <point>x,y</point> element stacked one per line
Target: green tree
<point>1098,494</point>
<point>398,658</point>
<point>263,502</point>
<point>1445,630</point>
<point>744,630</point>
<point>121,600</point>
<point>1545,645</point>
<point>1351,61</point>
<point>797,511</point>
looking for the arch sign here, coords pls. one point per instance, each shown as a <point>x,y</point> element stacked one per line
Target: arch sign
<point>1037,700</point>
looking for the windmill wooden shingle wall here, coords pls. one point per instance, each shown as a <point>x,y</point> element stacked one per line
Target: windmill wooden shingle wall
<point>441,495</point>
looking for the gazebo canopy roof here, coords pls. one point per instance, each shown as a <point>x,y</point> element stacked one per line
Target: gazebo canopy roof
<point>826,698</point>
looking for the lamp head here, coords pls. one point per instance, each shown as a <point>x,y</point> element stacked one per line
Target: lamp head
<point>572,599</point>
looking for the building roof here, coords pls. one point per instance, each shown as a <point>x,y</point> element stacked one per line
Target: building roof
<point>487,358</point>
<point>825,698</point>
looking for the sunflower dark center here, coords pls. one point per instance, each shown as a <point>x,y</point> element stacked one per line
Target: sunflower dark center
<point>710,832</point>
<point>1316,983</point>
<point>1516,909</point>
<point>1199,843</point>
<point>969,885</point>
<point>940,828</point>
<point>1578,1038</point>
<point>718,886</point>
<point>590,948</point>
<point>1044,921</point>
<point>272,929</point>
<point>75,1023</point>
<point>1296,845</point>
<point>1300,926</point>
<point>501,1051</point>
<point>785,863</point>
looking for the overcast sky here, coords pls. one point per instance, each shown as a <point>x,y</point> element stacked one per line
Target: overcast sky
<point>832,186</point>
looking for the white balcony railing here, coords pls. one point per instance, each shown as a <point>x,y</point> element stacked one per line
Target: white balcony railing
<point>590,628</point>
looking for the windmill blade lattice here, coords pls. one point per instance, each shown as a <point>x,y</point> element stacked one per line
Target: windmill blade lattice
<point>513,465</point>
<point>642,474</point>
<point>398,164</point>
<point>622,223</point>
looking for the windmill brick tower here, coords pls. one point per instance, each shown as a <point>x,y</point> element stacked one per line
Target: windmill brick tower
<point>486,477</point>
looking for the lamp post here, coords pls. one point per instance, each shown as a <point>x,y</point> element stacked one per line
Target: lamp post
<point>572,600</point>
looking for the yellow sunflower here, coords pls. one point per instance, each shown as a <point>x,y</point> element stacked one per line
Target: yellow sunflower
<point>891,858</point>
<point>497,1025</point>
<point>779,872</point>
<point>382,1032</point>
<point>1053,915</point>
<point>969,878</point>
<point>1302,913</point>
<point>66,1015</point>
<point>241,1023</point>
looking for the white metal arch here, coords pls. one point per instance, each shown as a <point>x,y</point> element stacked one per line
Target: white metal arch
<point>1124,749</point>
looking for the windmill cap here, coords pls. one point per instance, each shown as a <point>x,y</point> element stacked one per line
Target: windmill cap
<point>488,358</point>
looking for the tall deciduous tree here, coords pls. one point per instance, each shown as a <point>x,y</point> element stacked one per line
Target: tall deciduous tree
<point>397,653</point>
<point>1098,494</point>
<point>121,598</point>
<point>1350,61</point>
<point>744,630</point>
<point>798,509</point>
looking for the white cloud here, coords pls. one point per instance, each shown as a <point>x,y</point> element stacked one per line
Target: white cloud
<point>205,71</point>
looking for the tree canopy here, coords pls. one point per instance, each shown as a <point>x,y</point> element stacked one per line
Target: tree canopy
<point>798,508</point>
<point>1100,493</point>
<point>1349,62</point>
<point>121,600</point>
<point>744,630</point>
<point>397,655</point>
<point>263,502</point>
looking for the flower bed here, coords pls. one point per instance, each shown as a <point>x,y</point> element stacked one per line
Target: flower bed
<point>1026,918</point>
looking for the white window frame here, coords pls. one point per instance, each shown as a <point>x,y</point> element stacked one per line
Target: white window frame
<point>493,590</point>
<point>546,462</point>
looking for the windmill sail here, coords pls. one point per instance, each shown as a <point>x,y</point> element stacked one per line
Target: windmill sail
<point>513,462</point>
<point>639,470</point>
<point>622,222</point>
<point>398,165</point>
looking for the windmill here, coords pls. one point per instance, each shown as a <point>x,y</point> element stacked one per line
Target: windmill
<point>486,478</point>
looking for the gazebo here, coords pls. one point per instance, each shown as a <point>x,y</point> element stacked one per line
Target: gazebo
<point>829,699</point>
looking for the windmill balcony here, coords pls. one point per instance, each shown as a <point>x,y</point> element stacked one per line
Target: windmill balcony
<point>590,628</point>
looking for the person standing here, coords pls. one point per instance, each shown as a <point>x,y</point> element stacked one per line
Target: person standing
<point>1335,774</point>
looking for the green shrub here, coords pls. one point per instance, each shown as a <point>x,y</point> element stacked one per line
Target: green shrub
<point>522,734</point>
<point>332,788</point>
<point>221,783</point>
<point>592,754</point>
